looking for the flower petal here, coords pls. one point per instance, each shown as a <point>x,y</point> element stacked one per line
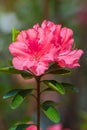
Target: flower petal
<point>67,38</point>
<point>55,127</point>
<point>18,49</point>
<point>33,127</point>
<point>70,59</point>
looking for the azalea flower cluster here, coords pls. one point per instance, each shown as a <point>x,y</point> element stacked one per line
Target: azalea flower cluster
<point>35,48</point>
<point>54,127</point>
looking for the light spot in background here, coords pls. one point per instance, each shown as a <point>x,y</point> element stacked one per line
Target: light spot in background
<point>8,21</point>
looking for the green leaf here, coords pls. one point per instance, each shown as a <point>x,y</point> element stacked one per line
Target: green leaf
<point>69,87</point>
<point>60,71</point>
<point>19,98</point>
<point>11,93</point>
<point>47,103</point>
<point>52,114</point>
<point>55,69</point>
<point>22,126</point>
<point>13,127</point>
<point>19,126</point>
<point>50,111</point>
<point>14,34</point>
<point>26,75</point>
<point>12,70</point>
<point>56,86</point>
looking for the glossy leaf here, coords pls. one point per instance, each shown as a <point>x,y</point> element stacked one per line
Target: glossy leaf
<point>11,93</point>
<point>12,70</point>
<point>23,124</point>
<point>14,34</point>
<point>70,87</point>
<point>19,126</point>
<point>26,75</point>
<point>55,86</point>
<point>13,127</point>
<point>47,103</point>
<point>50,111</point>
<point>19,98</point>
<point>60,71</point>
<point>55,69</point>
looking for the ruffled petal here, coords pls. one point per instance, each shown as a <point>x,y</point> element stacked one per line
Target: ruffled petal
<point>18,63</point>
<point>22,36</point>
<point>21,63</point>
<point>55,127</point>
<point>69,59</point>
<point>18,49</point>
<point>66,38</point>
<point>41,67</point>
<point>33,127</point>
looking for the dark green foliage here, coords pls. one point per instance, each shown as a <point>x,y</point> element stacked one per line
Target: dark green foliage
<point>55,69</point>
<point>50,111</point>
<point>19,126</point>
<point>12,70</point>
<point>54,85</point>
<point>18,96</point>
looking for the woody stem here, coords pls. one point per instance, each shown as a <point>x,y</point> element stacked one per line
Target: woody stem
<point>38,102</point>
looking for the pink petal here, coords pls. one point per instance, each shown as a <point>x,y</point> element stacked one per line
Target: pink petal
<point>70,59</point>
<point>55,127</point>
<point>33,127</point>
<point>18,49</point>
<point>21,36</point>
<point>41,67</point>
<point>17,63</point>
<point>66,34</point>
<point>21,63</point>
<point>31,34</point>
<point>67,38</point>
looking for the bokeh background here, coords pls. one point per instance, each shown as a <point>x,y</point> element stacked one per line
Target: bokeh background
<point>23,14</point>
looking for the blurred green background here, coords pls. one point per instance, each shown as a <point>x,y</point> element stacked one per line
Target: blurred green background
<point>23,14</point>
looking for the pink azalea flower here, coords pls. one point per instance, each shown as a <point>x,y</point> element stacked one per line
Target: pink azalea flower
<point>63,40</point>
<point>35,48</point>
<point>56,127</point>
<point>67,57</point>
<point>31,128</point>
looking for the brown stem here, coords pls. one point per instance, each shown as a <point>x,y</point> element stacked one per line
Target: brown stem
<point>38,102</point>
